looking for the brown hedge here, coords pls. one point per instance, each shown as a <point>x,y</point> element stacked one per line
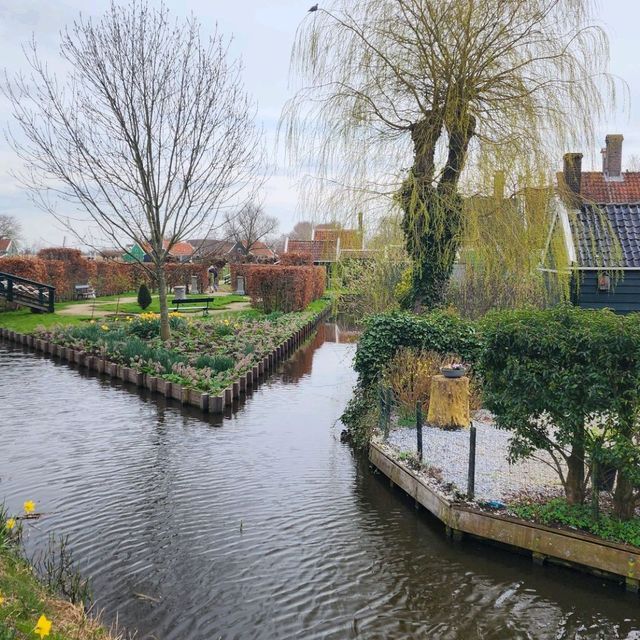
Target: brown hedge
<point>296,258</point>
<point>64,268</point>
<point>281,287</point>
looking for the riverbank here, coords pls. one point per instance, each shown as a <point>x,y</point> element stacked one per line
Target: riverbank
<point>560,545</point>
<point>25,603</point>
<point>208,363</point>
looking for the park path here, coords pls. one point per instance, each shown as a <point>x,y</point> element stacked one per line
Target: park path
<point>94,310</point>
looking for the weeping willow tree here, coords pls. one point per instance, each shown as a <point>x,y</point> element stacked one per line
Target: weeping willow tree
<point>408,102</point>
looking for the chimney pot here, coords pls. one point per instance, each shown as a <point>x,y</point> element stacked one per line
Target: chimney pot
<point>612,165</point>
<point>572,172</point>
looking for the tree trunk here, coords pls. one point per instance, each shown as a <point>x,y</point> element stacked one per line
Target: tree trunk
<point>165,331</point>
<point>574,484</point>
<point>432,221</point>
<point>624,504</point>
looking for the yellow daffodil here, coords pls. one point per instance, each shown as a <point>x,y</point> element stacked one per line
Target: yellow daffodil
<point>43,628</point>
<point>1,599</point>
<point>10,523</point>
<point>29,506</point>
<point>104,327</point>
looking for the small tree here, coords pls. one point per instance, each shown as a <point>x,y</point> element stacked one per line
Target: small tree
<point>9,227</point>
<point>561,380</point>
<point>144,296</point>
<point>151,133</point>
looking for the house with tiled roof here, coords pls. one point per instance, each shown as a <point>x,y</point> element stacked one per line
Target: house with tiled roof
<point>7,247</point>
<point>598,217</point>
<point>179,252</point>
<point>330,243</point>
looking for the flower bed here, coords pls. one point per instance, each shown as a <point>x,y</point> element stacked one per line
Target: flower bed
<point>204,355</point>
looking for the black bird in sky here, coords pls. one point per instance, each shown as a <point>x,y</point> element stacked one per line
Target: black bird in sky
<point>314,8</point>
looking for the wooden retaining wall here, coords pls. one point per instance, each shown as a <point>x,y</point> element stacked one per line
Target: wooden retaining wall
<point>203,401</point>
<point>608,559</point>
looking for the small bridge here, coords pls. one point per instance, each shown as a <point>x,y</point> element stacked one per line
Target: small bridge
<point>36,295</point>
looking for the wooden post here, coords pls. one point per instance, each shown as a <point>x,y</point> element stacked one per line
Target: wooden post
<point>419,429</point>
<point>471,478</point>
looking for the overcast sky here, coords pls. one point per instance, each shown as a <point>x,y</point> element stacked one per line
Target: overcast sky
<point>263,31</point>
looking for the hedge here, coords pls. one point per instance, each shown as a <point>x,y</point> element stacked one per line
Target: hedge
<point>439,331</point>
<point>281,287</point>
<point>64,268</point>
<point>567,380</point>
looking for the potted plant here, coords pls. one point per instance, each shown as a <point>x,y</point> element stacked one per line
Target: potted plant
<point>453,370</point>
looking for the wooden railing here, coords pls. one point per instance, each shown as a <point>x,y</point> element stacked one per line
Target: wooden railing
<point>27,293</point>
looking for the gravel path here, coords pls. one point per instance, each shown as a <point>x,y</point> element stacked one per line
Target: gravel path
<point>495,477</point>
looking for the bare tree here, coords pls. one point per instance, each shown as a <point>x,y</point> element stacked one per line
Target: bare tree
<point>9,228</point>
<point>151,133</point>
<point>400,95</point>
<point>302,231</point>
<point>250,225</point>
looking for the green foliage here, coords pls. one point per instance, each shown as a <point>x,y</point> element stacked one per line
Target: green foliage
<point>559,512</point>
<point>403,288</point>
<point>147,328</point>
<point>439,331</point>
<point>360,416</point>
<point>216,363</point>
<point>559,379</point>
<point>144,296</point>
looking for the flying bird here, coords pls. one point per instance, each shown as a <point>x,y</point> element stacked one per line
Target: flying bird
<point>314,8</point>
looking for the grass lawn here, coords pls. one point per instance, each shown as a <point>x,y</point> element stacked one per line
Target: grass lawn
<point>132,307</point>
<point>24,321</point>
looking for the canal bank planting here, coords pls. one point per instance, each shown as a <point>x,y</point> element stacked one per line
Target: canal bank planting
<point>206,363</point>
<point>27,608</point>
<point>559,446</point>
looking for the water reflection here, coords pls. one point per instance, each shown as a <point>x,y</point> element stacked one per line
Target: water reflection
<point>261,524</point>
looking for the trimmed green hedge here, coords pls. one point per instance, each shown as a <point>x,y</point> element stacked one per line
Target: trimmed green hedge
<point>440,331</point>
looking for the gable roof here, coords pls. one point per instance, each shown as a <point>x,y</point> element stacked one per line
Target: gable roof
<point>349,238</point>
<point>598,189</point>
<point>607,235</point>
<point>320,250</point>
<point>261,250</point>
<point>5,244</point>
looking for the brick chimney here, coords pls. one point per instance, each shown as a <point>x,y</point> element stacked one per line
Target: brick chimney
<point>612,156</point>
<point>572,172</point>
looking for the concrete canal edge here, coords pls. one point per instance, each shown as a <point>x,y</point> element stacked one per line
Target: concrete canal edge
<point>567,548</point>
<point>203,401</point>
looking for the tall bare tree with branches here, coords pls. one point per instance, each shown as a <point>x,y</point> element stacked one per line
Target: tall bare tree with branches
<point>151,133</point>
<point>399,97</point>
<point>9,227</point>
<point>249,225</point>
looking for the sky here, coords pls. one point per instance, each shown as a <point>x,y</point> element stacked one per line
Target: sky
<point>263,32</point>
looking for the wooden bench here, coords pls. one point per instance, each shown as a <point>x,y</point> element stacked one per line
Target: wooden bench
<point>193,304</point>
<point>84,292</point>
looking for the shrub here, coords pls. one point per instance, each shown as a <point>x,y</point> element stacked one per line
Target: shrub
<point>283,288</point>
<point>562,380</point>
<point>296,258</point>
<point>25,267</point>
<point>76,269</point>
<point>216,363</point>
<point>144,297</point>
<point>409,374</point>
<point>439,331</point>
<point>148,326</point>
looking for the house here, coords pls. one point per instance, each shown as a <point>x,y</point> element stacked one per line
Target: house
<point>212,250</point>
<point>7,247</point>
<point>330,243</point>
<point>179,252</point>
<point>598,218</point>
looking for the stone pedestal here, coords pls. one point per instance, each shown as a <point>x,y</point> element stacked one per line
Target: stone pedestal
<point>449,402</point>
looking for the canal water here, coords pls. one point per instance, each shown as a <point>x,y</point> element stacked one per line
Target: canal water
<point>261,524</point>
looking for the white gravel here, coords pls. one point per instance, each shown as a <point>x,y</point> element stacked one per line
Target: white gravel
<point>495,478</point>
